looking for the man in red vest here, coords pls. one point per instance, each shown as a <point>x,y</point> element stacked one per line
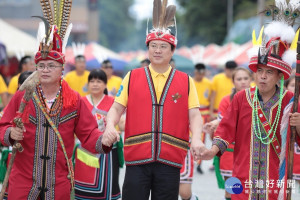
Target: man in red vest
<point>162,105</point>
<point>258,119</point>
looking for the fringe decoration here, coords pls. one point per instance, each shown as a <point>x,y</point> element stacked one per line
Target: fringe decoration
<point>88,158</point>
<point>284,132</point>
<point>70,97</point>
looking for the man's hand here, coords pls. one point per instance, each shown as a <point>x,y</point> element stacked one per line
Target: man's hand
<point>110,135</point>
<point>16,133</point>
<point>209,154</point>
<point>197,147</point>
<point>294,119</point>
<point>211,127</point>
<point>212,117</point>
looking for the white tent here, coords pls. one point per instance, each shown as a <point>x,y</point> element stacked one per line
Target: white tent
<point>16,41</point>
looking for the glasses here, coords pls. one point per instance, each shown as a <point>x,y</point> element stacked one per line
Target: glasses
<point>50,67</point>
<point>107,67</point>
<point>155,46</point>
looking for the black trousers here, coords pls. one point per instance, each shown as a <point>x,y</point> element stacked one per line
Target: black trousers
<point>161,179</point>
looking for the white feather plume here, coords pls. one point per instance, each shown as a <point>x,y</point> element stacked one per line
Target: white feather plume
<point>51,36</point>
<point>78,49</point>
<point>279,29</point>
<point>68,31</point>
<point>41,33</point>
<point>289,56</point>
<point>253,52</point>
<point>280,3</point>
<point>294,3</point>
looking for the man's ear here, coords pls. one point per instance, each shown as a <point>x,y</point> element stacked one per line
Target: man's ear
<point>280,75</point>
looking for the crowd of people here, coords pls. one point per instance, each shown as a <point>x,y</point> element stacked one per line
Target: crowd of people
<point>79,128</point>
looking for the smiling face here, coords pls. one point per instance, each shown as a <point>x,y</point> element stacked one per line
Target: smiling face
<point>266,78</point>
<point>49,71</point>
<point>96,86</point>
<point>160,53</point>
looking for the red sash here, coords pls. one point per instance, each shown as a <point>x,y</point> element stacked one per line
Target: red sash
<point>265,124</point>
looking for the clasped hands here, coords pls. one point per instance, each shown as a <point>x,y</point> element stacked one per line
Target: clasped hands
<point>110,135</point>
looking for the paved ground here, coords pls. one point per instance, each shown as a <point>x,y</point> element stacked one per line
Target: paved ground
<point>205,185</point>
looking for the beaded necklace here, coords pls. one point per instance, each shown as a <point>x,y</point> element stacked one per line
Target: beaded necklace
<point>57,104</point>
<point>255,120</point>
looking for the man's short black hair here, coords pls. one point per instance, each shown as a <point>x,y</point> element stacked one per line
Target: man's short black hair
<point>230,64</point>
<point>80,58</point>
<point>146,61</point>
<point>200,67</point>
<point>24,60</point>
<point>106,64</point>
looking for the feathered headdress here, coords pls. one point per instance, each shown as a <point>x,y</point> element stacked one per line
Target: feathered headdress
<point>163,18</point>
<point>78,50</point>
<point>54,31</point>
<point>280,50</point>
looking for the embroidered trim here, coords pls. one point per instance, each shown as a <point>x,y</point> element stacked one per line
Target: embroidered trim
<point>37,174</point>
<point>163,97</point>
<point>138,139</point>
<point>32,119</point>
<point>99,145</point>
<point>68,117</point>
<point>6,137</point>
<point>153,98</point>
<point>220,143</point>
<point>137,162</point>
<point>179,165</point>
<point>174,141</point>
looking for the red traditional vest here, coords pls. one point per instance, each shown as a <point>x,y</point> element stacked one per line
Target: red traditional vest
<point>157,131</point>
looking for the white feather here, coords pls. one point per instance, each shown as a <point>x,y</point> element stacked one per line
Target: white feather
<point>51,36</point>
<point>294,3</point>
<point>279,29</point>
<point>280,3</point>
<point>289,56</point>
<point>67,34</point>
<point>81,48</point>
<point>74,49</point>
<point>253,52</point>
<point>41,32</point>
<point>78,49</point>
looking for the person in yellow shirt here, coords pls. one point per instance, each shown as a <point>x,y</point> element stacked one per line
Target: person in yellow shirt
<point>26,64</point>
<point>78,79</point>
<point>161,107</point>
<point>3,92</point>
<point>113,82</point>
<point>221,86</point>
<point>203,87</point>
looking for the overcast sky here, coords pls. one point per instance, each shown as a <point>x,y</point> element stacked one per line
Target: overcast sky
<point>142,9</point>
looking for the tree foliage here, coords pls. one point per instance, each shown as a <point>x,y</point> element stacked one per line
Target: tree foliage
<point>206,21</point>
<point>116,24</point>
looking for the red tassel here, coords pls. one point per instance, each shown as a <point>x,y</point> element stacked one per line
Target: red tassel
<point>69,96</point>
<point>25,115</point>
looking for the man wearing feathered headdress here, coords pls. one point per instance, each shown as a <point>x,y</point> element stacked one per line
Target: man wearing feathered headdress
<point>258,118</point>
<point>54,112</point>
<point>161,103</point>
